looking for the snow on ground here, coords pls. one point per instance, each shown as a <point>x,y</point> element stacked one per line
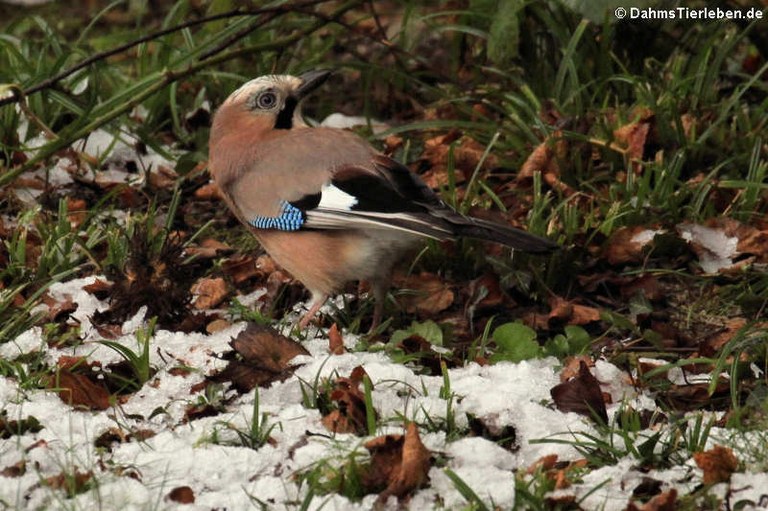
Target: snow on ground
<point>139,474</point>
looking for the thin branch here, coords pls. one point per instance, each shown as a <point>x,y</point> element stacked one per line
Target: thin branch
<point>49,82</point>
<point>166,79</point>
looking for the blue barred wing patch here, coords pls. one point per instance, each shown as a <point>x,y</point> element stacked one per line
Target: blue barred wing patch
<point>290,218</point>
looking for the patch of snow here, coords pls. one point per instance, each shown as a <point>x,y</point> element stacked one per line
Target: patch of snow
<point>717,249</point>
<point>26,342</point>
<point>87,304</point>
<point>204,454</point>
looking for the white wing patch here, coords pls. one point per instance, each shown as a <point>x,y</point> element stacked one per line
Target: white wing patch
<point>332,197</point>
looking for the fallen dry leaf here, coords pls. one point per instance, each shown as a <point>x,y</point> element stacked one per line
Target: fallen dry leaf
<point>208,293</point>
<point>99,288</point>
<point>79,391</point>
<point>694,396</point>
<point>208,249</point>
<point>182,495</point>
<point>484,293</point>
<point>335,341</point>
<point>632,138</point>
<point>666,501</point>
<point>581,394</point>
<point>242,268</point>
<point>399,464</point>
<point>646,285</point>
<point>572,366</point>
<point>18,469</point>
<point>264,357</point>
<point>544,463</point>
<point>350,415</point>
<point>711,346</point>
<point>489,427</point>
<point>9,428</point>
<point>467,156</point>
<point>566,312</point>
<point>163,177</point>
<point>628,244</point>
<point>430,294</point>
<point>545,159</point>
<point>414,467</point>
<point>77,211</point>
<point>58,310</point>
<point>71,484</point>
<point>717,464</point>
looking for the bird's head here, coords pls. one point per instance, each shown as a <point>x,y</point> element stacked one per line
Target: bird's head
<point>274,101</point>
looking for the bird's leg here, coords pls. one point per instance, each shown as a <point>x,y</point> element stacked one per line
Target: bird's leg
<point>317,302</point>
<point>380,288</point>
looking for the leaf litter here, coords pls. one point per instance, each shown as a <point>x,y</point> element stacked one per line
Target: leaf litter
<point>173,440</point>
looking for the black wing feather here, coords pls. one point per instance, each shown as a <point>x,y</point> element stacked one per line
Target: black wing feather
<point>390,196</point>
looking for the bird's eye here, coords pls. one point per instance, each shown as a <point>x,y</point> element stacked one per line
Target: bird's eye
<point>266,100</point>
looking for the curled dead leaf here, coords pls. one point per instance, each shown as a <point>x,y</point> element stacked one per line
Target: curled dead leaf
<point>59,310</point>
<point>544,463</point>
<point>490,428</point>
<point>632,138</point>
<point>209,293</point>
<point>572,366</point>
<point>666,501</point>
<point>567,312</point>
<point>99,288</point>
<point>717,464</point>
<point>628,244</point>
<point>263,356</point>
<point>545,159</point>
<point>399,464</point>
<point>335,340</point>
<point>349,415</point>
<point>77,211</point>
<point>581,394</point>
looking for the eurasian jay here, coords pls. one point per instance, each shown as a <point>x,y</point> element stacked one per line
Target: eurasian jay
<point>322,202</point>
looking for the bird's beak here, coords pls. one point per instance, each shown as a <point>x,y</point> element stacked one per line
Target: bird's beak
<point>311,80</point>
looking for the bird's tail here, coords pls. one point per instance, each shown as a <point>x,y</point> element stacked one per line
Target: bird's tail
<point>499,233</point>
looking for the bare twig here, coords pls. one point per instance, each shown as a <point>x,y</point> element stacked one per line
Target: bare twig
<point>167,78</point>
<point>274,11</point>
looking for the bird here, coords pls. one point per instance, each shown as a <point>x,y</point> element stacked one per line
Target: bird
<point>322,202</point>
